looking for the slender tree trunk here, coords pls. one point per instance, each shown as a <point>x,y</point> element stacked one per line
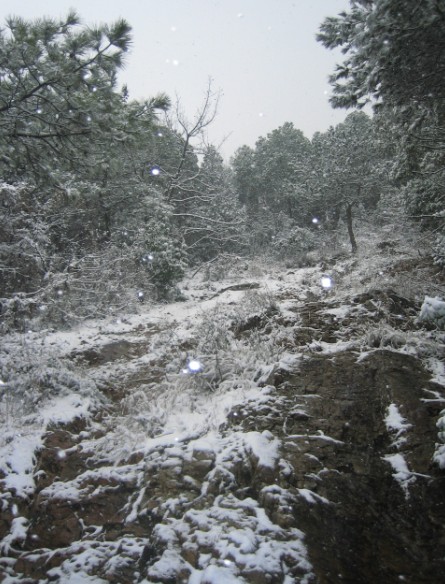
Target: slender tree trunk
<point>352,240</point>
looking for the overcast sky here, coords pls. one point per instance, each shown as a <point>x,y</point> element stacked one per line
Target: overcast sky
<point>261,54</point>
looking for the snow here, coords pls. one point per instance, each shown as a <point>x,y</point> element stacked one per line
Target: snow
<point>85,557</point>
<point>325,348</point>
<point>241,535</point>
<point>245,540</point>
<point>263,446</point>
<point>17,461</point>
<point>216,575</point>
<point>401,472</point>
<point>396,424</point>
<point>84,482</point>
<point>433,311</point>
<point>320,436</point>
<point>67,399</point>
<point>437,368</point>
<point>289,362</point>
<point>439,453</point>
<point>66,408</point>
<point>339,312</point>
<point>17,534</point>
<point>178,417</point>
<point>312,497</point>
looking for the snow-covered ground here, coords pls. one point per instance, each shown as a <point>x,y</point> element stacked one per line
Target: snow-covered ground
<point>168,379</point>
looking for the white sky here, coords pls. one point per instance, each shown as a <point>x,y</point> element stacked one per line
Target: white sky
<point>261,54</point>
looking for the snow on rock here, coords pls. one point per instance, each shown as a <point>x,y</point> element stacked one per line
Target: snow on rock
<point>216,575</point>
<point>439,453</point>
<point>86,558</point>
<point>17,534</point>
<point>17,461</point>
<point>91,482</point>
<point>263,446</point>
<point>330,348</point>
<point>437,368</point>
<point>66,408</point>
<point>312,497</point>
<point>248,470</point>
<point>401,473</point>
<point>238,538</point>
<point>396,424</point>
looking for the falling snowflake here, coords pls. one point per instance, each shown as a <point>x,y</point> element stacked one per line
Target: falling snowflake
<point>194,366</point>
<point>326,282</point>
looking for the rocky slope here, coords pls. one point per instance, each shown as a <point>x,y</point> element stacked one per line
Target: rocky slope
<point>263,431</point>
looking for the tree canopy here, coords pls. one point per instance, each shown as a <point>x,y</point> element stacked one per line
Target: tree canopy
<point>106,199</point>
<point>394,53</point>
<point>394,59</point>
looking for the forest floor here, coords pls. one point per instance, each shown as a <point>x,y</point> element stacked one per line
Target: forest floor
<point>265,429</point>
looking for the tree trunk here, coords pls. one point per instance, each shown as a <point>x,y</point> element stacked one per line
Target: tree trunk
<point>352,240</point>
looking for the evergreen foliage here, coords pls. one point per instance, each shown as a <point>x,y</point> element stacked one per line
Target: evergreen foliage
<point>292,186</point>
<point>79,204</point>
<point>104,202</point>
<point>395,60</point>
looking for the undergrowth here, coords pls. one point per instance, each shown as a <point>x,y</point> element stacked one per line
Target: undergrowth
<point>32,375</point>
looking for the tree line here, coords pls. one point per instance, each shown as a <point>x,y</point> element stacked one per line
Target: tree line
<point>106,200</point>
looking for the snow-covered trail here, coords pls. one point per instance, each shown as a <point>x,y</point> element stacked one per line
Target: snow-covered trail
<point>145,466</point>
<point>171,422</point>
<point>202,297</point>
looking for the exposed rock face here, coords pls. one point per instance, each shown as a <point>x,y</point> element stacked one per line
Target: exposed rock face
<point>374,529</point>
<point>326,476</point>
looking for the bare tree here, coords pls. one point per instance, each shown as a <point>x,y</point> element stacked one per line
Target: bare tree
<point>198,185</point>
<point>188,131</point>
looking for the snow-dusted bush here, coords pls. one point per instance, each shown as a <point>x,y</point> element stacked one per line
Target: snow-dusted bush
<point>147,238</point>
<point>439,453</point>
<point>32,374</point>
<point>224,355</point>
<point>164,267</point>
<point>24,239</point>
<point>296,242</point>
<point>226,265</point>
<point>385,336</point>
<point>17,312</point>
<point>206,362</point>
<point>113,280</point>
<point>439,251</point>
<point>86,261</point>
<point>433,312</point>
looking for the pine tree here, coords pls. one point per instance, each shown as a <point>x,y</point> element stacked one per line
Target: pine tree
<point>395,60</point>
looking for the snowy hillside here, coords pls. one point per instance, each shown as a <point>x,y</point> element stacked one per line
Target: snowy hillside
<point>279,425</point>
